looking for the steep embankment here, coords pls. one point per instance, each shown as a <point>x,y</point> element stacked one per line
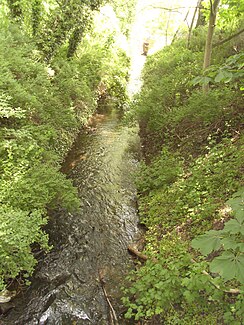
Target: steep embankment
<point>193,164</point>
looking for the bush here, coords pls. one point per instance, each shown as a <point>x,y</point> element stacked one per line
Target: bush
<point>166,85</point>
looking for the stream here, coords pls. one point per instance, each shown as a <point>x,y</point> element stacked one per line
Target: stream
<point>66,288</point>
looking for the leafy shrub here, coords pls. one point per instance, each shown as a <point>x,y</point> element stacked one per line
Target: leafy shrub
<point>161,173</point>
<point>231,71</point>
<point>184,184</point>
<point>29,183</point>
<point>158,283</point>
<point>166,84</point>
<point>194,194</point>
<point>202,108</point>
<point>229,264</point>
<point>182,190</point>
<point>19,230</point>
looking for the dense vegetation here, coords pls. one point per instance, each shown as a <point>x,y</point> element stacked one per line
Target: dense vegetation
<point>190,182</point>
<point>55,67</point>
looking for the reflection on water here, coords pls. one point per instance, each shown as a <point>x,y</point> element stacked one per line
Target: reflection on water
<point>66,287</point>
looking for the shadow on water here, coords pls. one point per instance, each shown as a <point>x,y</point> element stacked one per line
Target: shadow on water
<point>66,288</point>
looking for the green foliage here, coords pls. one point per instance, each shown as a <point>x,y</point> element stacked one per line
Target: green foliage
<point>42,108</point>
<point>231,14</point>
<point>230,71</point>
<point>192,195</point>
<point>229,264</point>
<point>158,283</point>
<point>184,186</point>
<point>161,173</point>
<point>19,230</point>
<point>29,183</point>
<point>125,11</point>
<point>53,23</point>
<point>174,287</point>
<point>6,111</point>
<point>164,87</point>
<point>182,205</point>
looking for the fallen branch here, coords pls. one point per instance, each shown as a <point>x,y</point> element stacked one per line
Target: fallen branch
<point>234,291</point>
<point>134,251</point>
<point>113,316</point>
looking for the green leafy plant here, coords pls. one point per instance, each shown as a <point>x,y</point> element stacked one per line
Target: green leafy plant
<point>230,71</point>
<point>192,146</point>
<point>229,241</point>
<point>19,230</point>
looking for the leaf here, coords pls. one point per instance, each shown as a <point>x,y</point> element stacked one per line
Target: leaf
<point>224,75</point>
<point>205,80</point>
<point>237,205</point>
<point>196,80</point>
<point>234,227</point>
<point>241,247</point>
<point>229,266</point>
<point>229,243</point>
<point>219,77</point>
<point>208,242</point>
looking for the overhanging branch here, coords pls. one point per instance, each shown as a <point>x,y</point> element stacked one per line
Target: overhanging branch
<point>229,38</point>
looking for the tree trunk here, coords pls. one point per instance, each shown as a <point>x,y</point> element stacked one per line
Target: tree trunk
<point>200,18</point>
<point>176,33</point>
<point>74,41</point>
<point>167,28</point>
<point>36,16</point>
<point>192,23</point>
<point>209,40</point>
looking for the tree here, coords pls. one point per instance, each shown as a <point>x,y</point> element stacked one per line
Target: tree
<point>209,41</point>
<point>66,23</point>
<point>36,15</point>
<point>198,6</point>
<point>200,18</point>
<point>53,23</point>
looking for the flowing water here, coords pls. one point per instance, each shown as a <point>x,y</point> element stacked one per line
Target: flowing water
<point>66,288</point>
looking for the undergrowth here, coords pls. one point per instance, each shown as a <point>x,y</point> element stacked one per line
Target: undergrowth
<point>190,192</point>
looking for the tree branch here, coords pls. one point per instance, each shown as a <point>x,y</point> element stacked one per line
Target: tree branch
<point>167,9</point>
<point>229,38</point>
<point>113,316</point>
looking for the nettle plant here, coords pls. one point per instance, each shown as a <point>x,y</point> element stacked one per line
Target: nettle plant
<point>229,243</point>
